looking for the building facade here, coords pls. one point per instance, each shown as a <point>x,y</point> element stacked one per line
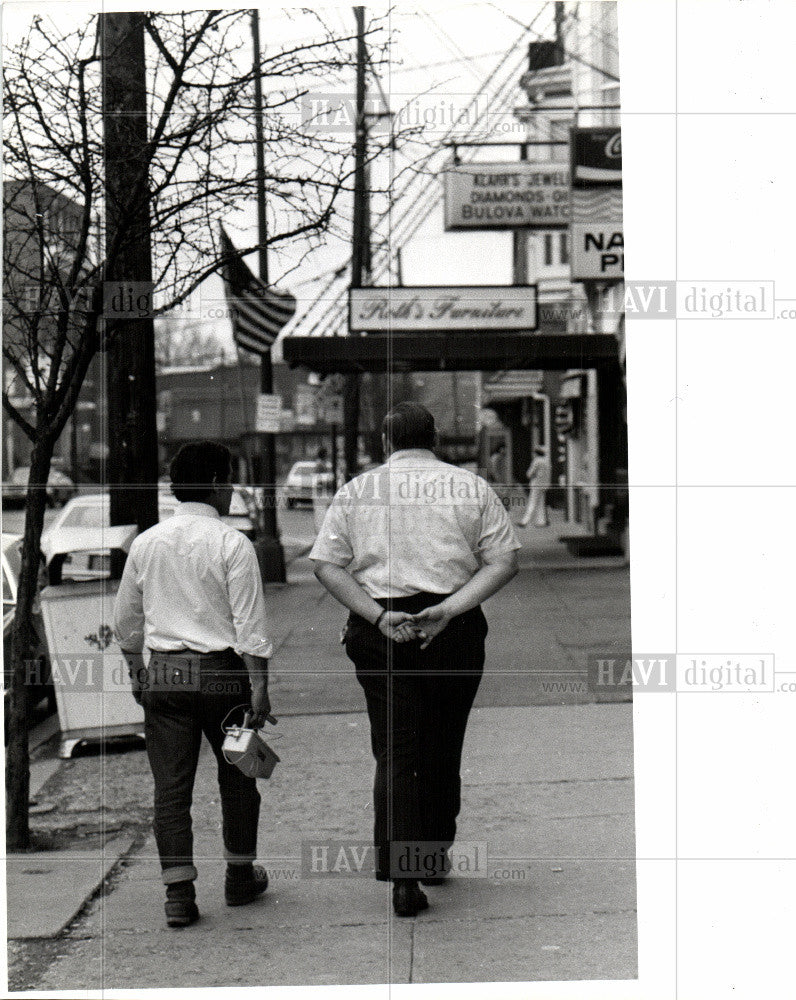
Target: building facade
<point>569,82</point>
<point>40,231</point>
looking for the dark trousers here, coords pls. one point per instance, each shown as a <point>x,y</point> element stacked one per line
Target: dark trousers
<point>184,696</point>
<point>418,704</point>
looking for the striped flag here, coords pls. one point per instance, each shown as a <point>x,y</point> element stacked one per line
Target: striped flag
<point>258,311</point>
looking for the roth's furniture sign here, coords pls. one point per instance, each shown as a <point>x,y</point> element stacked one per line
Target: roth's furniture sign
<point>426,308</point>
<point>506,196</point>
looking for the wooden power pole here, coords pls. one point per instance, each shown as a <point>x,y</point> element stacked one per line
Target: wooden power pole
<point>361,245</point>
<point>132,466</point>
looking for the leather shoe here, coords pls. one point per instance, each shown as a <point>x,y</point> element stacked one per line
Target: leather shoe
<point>434,880</point>
<point>407,899</point>
<point>441,876</point>
<point>240,891</point>
<point>181,912</point>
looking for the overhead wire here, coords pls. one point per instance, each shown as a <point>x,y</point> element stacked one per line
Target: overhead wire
<point>422,204</point>
<point>568,52</point>
<point>397,236</point>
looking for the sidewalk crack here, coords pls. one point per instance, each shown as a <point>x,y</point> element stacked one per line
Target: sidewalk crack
<point>411,952</point>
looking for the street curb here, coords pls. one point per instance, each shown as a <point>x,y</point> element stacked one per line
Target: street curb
<point>24,886</point>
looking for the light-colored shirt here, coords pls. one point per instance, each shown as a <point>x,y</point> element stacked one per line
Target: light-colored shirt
<point>414,524</point>
<point>192,582</point>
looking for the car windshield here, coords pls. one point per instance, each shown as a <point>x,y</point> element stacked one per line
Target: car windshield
<point>238,504</point>
<point>88,516</point>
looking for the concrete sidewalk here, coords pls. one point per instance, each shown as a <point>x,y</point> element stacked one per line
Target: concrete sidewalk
<point>547,788</point>
<point>558,901</point>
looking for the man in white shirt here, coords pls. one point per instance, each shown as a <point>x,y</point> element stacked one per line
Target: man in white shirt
<point>191,592</point>
<point>411,549</point>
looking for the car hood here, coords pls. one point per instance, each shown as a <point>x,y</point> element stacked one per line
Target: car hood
<point>63,540</point>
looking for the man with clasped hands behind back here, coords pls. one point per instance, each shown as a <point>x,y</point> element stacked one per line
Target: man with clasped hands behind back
<point>412,548</point>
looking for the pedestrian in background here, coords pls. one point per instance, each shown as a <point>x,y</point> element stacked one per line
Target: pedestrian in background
<point>191,592</point>
<point>411,549</point>
<point>497,465</point>
<point>539,483</point>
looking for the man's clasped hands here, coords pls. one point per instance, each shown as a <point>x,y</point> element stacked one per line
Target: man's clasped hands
<point>400,626</point>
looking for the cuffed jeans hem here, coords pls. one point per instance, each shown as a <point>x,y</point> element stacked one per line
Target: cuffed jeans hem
<point>238,859</point>
<point>179,873</point>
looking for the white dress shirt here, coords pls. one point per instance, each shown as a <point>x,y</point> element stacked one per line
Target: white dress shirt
<point>414,524</point>
<point>192,582</point>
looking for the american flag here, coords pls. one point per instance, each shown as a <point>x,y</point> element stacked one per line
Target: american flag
<point>258,311</point>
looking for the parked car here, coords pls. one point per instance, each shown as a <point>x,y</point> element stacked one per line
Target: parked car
<point>60,487</point>
<point>240,508</point>
<point>40,683</point>
<point>81,532</point>
<point>305,481</point>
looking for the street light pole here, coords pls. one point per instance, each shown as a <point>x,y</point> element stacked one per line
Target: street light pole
<point>270,552</point>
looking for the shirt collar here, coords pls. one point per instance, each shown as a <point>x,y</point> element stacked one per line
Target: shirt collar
<point>196,507</point>
<point>412,453</point>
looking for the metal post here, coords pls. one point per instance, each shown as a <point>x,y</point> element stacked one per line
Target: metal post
<point>269,547</point>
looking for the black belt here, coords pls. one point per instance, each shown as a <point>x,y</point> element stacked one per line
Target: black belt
<point>188,657</point>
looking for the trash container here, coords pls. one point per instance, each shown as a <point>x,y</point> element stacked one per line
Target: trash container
<point>93,693</point>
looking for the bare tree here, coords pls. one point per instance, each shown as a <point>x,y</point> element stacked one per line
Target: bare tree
<point>185,342</point>
<point>200,170</point>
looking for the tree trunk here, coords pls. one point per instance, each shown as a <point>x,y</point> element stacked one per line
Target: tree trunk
<point>23,643</point>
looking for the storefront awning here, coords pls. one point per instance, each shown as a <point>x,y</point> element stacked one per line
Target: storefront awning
<point>407,352</point>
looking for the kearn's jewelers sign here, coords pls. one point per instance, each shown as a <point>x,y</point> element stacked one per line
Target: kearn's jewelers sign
<point>507,195</point>
<point>426,308</point>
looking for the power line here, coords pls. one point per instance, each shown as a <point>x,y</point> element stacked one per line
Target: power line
<point>411,220</point>
<point>445,62</point>
<point>424,203</point>
<point>567,52</point>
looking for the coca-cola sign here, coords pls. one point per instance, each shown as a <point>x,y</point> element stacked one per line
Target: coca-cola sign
<point>596,156</point>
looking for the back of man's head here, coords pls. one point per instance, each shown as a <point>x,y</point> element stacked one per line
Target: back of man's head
<point>409,425</point>
<point>197,468</point>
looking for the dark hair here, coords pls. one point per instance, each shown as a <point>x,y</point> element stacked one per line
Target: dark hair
<point>197,467</point>
<point>409,425</point>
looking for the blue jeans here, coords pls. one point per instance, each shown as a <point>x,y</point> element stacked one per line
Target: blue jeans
<point>184,696</point>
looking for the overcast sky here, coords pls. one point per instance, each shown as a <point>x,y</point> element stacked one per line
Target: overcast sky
<point>443,52</point>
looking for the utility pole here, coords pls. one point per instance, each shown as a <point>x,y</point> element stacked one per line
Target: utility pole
<point>559,29</point>
<point>520,242</point>
<point>360,255</point>
<point>269,548</point>
<point>132,467</point>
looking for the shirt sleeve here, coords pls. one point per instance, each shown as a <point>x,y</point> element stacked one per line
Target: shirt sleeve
<point>128,612</point>
<point>333,543</point>
<point>246,600</point>
<point>497,537</point>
